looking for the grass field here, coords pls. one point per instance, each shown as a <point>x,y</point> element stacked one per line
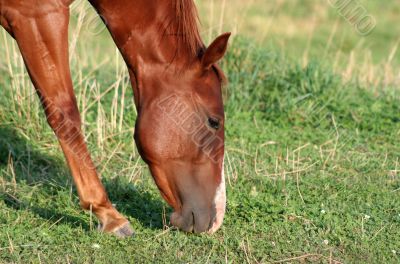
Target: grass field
<point>312,156</point>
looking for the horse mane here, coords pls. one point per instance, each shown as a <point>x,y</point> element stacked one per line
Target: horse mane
<point>187,22</point>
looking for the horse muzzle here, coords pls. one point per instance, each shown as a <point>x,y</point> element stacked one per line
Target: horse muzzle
<point>197,218</point>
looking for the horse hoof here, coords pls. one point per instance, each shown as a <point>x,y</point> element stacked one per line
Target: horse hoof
<point>124,231</point>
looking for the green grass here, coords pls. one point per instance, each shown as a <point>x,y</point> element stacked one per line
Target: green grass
<point>312,166</point>
<point>304,30</point>
<point>290,25</point>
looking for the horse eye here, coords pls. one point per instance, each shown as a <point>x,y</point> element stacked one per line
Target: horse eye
<point>213,122</point>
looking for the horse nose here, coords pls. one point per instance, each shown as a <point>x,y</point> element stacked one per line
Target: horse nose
<point>202,208</point>
<point>202,220</point>
<point>195,220</point>
<point>220,206</point>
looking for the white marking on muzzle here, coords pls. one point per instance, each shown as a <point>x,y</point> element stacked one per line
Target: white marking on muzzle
<point>219,203</point>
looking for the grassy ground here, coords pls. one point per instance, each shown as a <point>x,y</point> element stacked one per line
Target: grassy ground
<point>312,164</point>
<point>307,29</point>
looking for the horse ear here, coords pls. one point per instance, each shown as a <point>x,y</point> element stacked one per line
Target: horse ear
<point>215,51</point>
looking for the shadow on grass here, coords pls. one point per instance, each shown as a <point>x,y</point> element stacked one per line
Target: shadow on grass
<point>50,176</point>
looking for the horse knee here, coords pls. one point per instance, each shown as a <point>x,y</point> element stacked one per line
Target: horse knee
<point>63,117</point>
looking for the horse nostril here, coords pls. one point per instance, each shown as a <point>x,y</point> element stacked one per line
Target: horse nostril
<point>201,221</point>
<point>183,222</point>
<point>191,221</point>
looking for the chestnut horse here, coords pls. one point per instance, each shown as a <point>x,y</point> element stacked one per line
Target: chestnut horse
<point>179,130</point>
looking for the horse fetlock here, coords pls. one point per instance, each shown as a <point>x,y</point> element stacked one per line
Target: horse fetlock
<point>110,220</point>
<point>96,204</point>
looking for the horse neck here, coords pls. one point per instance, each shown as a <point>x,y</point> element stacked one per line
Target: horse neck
<point>145,32</point>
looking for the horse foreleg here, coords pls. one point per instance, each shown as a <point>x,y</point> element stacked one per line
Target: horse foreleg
<point>43,42</point>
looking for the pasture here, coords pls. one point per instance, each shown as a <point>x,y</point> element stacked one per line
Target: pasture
<point>312,145</point>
